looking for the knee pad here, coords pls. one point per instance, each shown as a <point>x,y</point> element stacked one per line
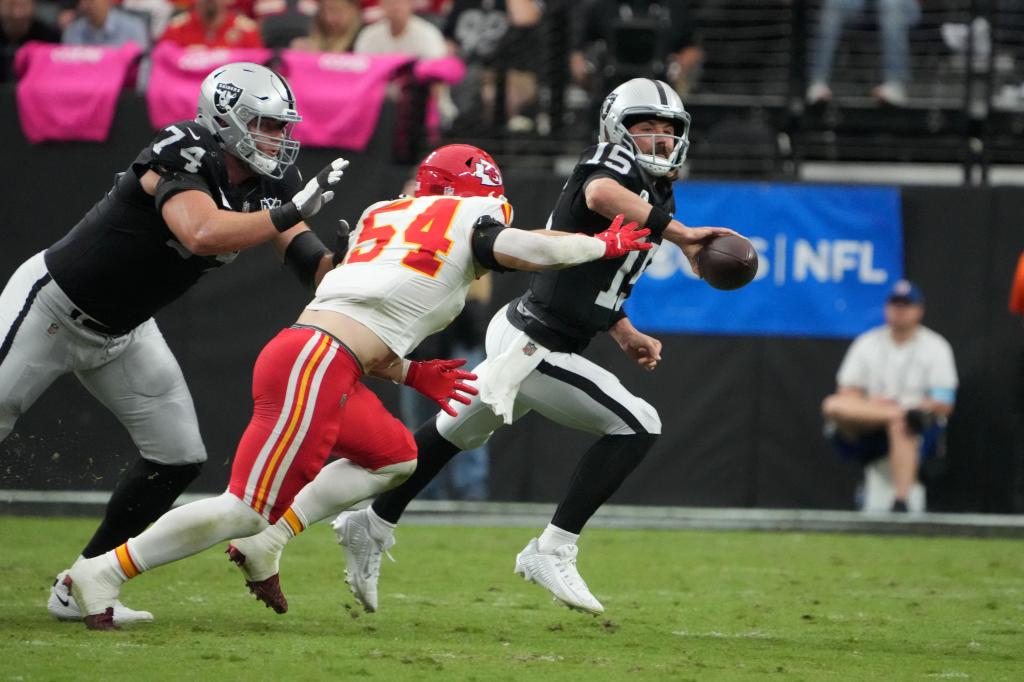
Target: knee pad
<point>465,431</point>
<point>396,474</point>
<point>644,413</point>
<point>651,420</point>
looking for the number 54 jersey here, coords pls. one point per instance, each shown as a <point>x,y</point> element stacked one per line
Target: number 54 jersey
<point>409,265</point>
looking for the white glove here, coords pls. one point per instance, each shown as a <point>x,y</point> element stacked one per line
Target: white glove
<point>311,198</point>
<point>308,201</point>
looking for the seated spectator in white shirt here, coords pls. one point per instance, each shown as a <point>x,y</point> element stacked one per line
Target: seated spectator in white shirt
<point>401,32</point>
<point>896,387</point>
<point>100,23</point>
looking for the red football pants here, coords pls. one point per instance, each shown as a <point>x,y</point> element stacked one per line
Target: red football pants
<point>308,403</point>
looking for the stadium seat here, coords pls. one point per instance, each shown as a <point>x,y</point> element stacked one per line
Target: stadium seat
<point>878,492</point>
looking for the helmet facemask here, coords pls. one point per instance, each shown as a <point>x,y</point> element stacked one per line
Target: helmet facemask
<point>281,151</point>
<point>654,163</point>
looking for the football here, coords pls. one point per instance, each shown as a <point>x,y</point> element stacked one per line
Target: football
<point>728,262</point>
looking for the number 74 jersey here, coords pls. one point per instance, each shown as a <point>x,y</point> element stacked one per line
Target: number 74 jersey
<point>409,266</point>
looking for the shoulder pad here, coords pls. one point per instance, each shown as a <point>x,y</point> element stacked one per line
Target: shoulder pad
<point>496,206</point>
<point>612,159</point>
<point>184,147</point>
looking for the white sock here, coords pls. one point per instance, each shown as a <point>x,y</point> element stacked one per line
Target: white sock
<point>113,567</point>
<point>380,530</point>
<point>341,484</point>
<point>553,537</point>
<point>274,538</point>
<point>191,528</point>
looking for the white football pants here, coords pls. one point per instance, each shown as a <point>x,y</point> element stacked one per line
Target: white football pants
<point>566,388</point>
<point>135,376</point>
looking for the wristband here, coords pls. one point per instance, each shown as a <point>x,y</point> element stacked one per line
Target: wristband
<point>619,314</point>
<point>285,216</point>
<point>409,370</point>
<point>657,220</point>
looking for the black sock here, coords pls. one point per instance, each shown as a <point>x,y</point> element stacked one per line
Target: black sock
<point>143,494</point>
<point>599,473</point>
<point>434,452</point>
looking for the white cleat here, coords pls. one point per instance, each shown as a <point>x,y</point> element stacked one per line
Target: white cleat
<point>62,605</point>
<point>362,555</point>
<point>556,572</point>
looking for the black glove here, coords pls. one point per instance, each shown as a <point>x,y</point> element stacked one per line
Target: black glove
<point>341,242</point>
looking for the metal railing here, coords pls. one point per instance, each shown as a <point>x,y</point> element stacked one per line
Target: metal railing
<point>964,97</point>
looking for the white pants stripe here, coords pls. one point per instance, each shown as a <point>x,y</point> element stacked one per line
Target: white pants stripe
<point>252,484</point>
<point>307,416</point>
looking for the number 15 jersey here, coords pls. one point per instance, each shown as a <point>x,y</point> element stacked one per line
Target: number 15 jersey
<point>564,309</point>
<point>409,266</point>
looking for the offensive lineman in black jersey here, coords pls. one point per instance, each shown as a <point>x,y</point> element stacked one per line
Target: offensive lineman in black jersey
<point>533,344</point>
<point>201,191</point>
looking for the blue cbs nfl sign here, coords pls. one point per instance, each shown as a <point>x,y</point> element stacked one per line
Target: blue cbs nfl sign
<point>828,256</point>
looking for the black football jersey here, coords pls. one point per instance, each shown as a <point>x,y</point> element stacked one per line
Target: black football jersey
<point>564,309</point>
<point>121,263</point>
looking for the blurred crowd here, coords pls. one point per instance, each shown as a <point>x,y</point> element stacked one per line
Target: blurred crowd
<point>521,54</point>
<point>624,37</point>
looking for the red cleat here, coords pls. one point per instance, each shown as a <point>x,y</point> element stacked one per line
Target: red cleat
<point>101,621</point>
<point>267,591</point>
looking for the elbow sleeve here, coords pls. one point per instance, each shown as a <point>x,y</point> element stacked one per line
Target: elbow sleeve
<point>303,255</point>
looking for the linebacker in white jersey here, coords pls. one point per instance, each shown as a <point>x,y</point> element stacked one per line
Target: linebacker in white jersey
<point>406,274</point>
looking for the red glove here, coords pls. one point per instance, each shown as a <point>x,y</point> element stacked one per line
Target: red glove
<point>620,239</point>
<point>441,381</point>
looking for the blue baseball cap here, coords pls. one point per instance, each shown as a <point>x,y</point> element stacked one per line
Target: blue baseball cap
<point>905,291</point>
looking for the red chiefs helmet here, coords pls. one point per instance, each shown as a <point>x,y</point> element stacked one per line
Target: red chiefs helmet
<point>460,170</point>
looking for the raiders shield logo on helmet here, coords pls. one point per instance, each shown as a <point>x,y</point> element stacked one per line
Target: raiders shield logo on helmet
<point>226,96</point>
<point>608,101</point>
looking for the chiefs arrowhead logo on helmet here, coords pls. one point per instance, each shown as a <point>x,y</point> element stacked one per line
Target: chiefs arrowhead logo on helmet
<point>488,173</point>
<point>459,170</point>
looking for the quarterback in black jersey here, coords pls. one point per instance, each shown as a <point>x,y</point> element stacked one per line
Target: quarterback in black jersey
<point>200,192</point>
<point>533,345</point>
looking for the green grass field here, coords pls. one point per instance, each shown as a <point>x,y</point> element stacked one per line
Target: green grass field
<point>680,606</point>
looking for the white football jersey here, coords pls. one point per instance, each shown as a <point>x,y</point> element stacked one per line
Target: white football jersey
<point>409,266</point>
